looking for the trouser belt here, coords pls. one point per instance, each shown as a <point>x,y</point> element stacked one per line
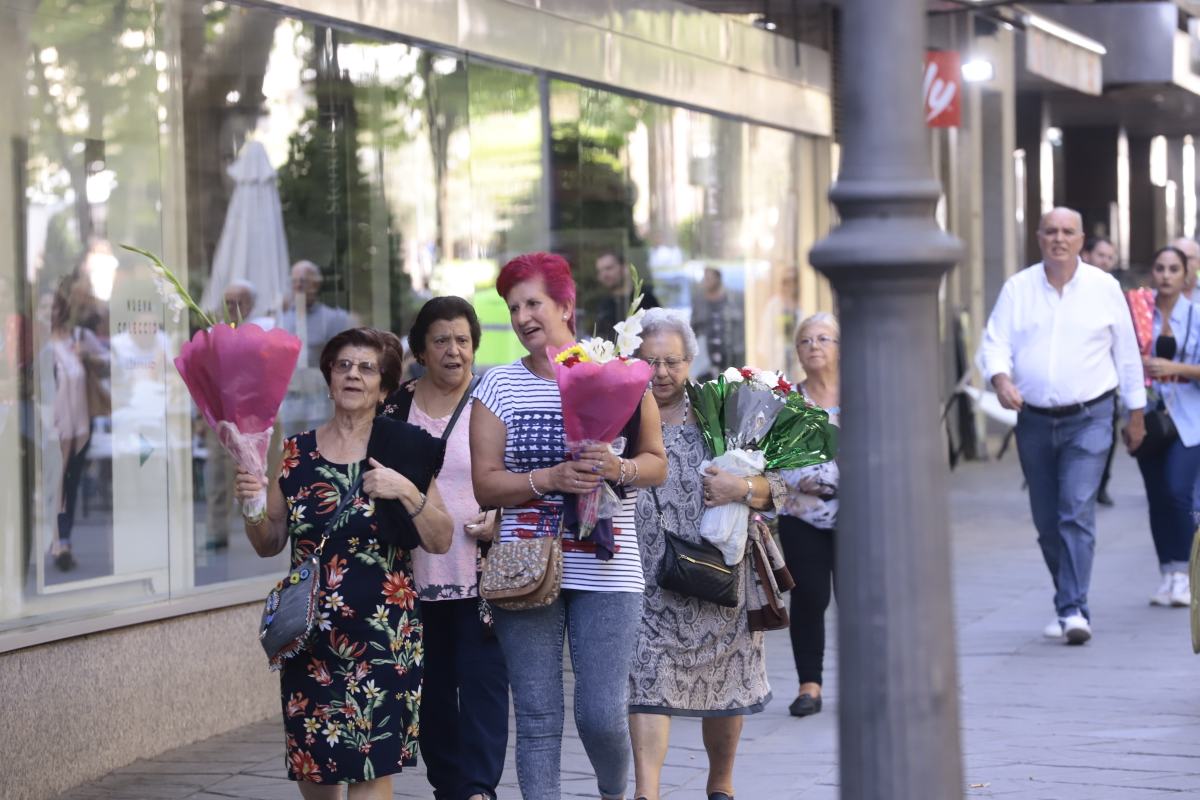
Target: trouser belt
<point>1066,411</point>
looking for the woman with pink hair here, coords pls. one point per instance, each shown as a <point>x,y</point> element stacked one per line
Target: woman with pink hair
<point>519,461</point>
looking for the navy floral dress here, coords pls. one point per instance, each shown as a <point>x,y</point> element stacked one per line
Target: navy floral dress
<point>350,701</point>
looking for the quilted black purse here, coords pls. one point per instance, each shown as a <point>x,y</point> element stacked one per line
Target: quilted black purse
<point>695,569</point>
<point>290,614</point>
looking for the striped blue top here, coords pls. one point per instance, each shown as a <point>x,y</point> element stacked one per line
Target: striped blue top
<point>531,409</point>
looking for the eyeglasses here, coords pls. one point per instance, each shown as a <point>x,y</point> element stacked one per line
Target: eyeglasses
<point>365,368</point>
<point>672,363</point>
<point>823,340</point>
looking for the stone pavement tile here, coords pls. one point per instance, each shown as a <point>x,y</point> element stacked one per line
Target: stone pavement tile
<point>1113,720</point>
<point>256,787</point>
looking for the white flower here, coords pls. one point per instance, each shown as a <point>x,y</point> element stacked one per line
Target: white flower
<point>600,350</point>
<point>628,340</point>
<point>767,378</point>
<point>733,375</point>
<point>627,343</point>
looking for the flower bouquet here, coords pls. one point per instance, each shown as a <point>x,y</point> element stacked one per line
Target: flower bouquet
<point>1141,308</point>
<point>601,385</point>
<point>236,374</point>
<point>754,420</point>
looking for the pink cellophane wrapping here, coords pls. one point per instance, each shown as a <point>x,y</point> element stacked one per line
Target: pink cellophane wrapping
<point>1141,308</point>
<point>597,401</point>
<point>238,378</point>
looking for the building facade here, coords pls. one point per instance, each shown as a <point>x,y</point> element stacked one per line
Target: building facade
<point>415,148</point>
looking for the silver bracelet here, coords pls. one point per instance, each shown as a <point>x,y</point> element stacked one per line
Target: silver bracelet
<point>421,507</point>
<point>749,498</point>
<point>531,485</point>
<point>637,472</point>
<point>621,473</point>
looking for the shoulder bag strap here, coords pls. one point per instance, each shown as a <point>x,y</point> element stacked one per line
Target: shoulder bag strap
<point>462,403</point>
<point>347,498</point>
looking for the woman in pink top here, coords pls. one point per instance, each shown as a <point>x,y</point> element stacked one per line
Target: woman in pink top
<point>464,704</point>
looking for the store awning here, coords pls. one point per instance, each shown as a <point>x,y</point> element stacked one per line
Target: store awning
<point>1061,55</point>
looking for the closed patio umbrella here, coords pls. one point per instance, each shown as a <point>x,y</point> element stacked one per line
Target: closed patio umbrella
<point>252,246</point>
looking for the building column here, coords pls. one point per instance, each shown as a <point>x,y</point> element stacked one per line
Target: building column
<point>899,725</point>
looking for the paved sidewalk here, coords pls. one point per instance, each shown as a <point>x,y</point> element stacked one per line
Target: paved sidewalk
<point>1117,719</point>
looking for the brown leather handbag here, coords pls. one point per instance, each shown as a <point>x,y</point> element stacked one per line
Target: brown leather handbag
<point>523,574</point>
<point>768,578</point>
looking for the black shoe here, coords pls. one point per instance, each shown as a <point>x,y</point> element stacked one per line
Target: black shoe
<point>65,561</point>
<point>1104,498</point>
<point>720,796</point>
<point>805,706</point>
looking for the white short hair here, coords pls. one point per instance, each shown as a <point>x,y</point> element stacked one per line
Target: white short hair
<point>662,320</point>
<point>819,318</point>
<point>243,286</point>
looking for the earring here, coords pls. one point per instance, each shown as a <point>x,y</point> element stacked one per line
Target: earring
<point>566,317</point>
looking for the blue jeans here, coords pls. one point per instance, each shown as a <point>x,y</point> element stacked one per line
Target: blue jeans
<point>464,702</point>
<point>1170,479</point>
<point>601,628</point>
<point>1063,460</point>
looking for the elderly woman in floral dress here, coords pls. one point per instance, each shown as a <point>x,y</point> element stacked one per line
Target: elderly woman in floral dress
<point>692,658</point>
<point>350,702</point>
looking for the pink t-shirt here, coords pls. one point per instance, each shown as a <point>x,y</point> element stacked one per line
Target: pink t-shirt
<point>451,575</point>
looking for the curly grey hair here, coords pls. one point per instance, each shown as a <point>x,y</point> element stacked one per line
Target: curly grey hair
<point>819,318</point>
<point>662,320</point>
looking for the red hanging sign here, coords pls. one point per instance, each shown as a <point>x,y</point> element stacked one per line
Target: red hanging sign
<point>942,89</point>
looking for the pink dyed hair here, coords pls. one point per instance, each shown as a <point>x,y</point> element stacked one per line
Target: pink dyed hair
<point>552,268</point>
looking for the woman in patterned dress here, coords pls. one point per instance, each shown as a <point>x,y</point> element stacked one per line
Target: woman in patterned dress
<point>693,658</point>
<point>350,702</point>
<point>519,462</point>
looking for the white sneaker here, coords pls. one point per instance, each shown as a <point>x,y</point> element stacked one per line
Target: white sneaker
<point>1162,596</point>
<point>1181,590</point>
<point>1076,629</point>
<point>1054,630</point>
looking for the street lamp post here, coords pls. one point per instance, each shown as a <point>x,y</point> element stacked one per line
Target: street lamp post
<point>898,688</point>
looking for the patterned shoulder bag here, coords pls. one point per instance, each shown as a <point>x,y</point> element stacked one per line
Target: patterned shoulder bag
<point>290,615</point>
<point>523,574</point>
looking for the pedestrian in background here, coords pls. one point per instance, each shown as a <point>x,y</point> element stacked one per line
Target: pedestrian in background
<point>1099,252</point>
<point>520,463</point>
<point>693,658</point>
<point>1170,461</point>
<point>809,520</point>
<point>351,699</point>
<point>464,696</point>
<point>1190,248</point>
<point>1057,345</point>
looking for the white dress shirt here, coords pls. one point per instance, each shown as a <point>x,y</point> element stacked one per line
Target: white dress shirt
<point>1064,349</point>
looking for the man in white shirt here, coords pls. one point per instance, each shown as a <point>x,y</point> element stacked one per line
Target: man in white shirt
<point>1058,346</point>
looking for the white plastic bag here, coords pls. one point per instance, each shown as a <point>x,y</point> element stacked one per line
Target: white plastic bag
<point>727,526</point>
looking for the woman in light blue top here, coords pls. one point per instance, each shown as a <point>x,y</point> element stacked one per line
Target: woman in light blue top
<point>1170,472</point>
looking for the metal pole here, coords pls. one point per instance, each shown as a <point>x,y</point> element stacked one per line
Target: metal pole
<point>898,688</point>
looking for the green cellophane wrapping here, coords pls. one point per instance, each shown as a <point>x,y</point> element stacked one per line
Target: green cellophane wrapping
<point>801,436</point>
<point>708,403</point>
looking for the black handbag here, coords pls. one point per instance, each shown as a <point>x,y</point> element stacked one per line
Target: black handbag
<point>1160,428</point>
<point>695,569</point>
<point>290,614</point>
<point>1160,433</point>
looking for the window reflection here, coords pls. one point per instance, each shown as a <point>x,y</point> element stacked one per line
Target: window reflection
<point>311,177</point>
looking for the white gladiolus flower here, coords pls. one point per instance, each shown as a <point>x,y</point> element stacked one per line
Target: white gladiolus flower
<point>733,375</point>
<point>628,343</point>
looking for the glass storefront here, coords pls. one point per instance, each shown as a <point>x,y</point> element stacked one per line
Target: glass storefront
<point>311,176</point>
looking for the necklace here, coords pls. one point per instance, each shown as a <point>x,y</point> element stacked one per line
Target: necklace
<point>687,407</point>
